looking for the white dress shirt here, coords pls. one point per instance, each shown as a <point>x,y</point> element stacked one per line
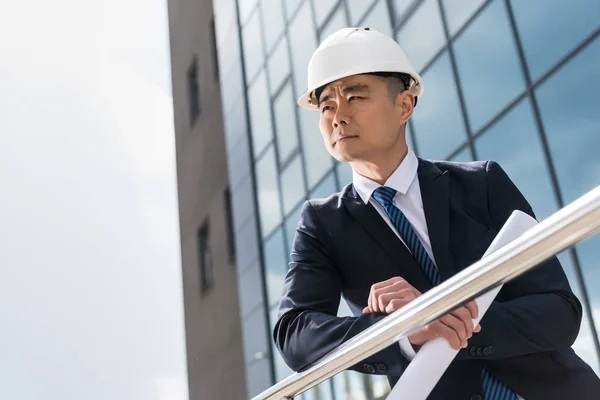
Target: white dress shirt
<point>408,199</point>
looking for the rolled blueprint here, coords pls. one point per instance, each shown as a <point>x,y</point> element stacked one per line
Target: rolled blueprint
<point>434,357</point>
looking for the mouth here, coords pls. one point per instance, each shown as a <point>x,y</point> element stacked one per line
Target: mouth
<point>344,139</point>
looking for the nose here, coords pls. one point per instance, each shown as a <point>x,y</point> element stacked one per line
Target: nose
<point>340,117</point>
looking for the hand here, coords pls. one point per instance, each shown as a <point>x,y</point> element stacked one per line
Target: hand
<point>391,295</point>
<point>457,327</point>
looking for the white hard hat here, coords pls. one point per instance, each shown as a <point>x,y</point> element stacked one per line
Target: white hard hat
<point>352,51</point>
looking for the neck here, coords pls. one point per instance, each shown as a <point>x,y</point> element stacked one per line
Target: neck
<point>383,167</point>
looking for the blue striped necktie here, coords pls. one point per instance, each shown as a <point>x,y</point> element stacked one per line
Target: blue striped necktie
<point>493,388</point>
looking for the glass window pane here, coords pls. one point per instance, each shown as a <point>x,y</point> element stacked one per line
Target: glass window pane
<point>344,173</point>
<point>437,119</point>
<point>279,65</point>
<point>572,123</point>
<point>568,104</point>
<point>291,6</point>
<point>320,392</point>
<point>268,192</point>
<point>318,161</point>
<point>357,9</point>
<point>350,385</point>
<point>422,36</point>
<point>463,156</point>
<point>337,22</point>
<point>292,181</point>
<point>584,344</point>
<point>491,76</point>
<point>303,41</point>
<point>260,114</point>
<point>273,18</point>
<point>379,386</point>
<point>325,188</point>
<point>514,142</point>
<point>285,123</point>
<point>459,11</point>
<point>281,368</point>
<point>246,7</point>
<point>254,334</point>
<point>253,48</point>
<point>323,8</point>
<point>401,7</point>
<point>275,266</point>
<point>379,19</point>
<point>291,223</point>
<point>548,32</point>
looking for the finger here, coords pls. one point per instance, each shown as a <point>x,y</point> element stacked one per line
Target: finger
<point>473,309</point>
<point>477,329</point>
<point>396,287</point>
<point>465,316</point>
<point>405,295</point>
<point>394,305</point>
<point>444,331</point>
<point>366,310</point>
<point>378,288</point>
<point>456,325</point>
<point>387,282</point>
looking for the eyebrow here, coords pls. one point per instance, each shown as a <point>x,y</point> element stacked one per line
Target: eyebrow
<point>358,87</point>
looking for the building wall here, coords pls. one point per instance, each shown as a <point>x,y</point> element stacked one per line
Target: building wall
<point>213,329</point>
<point>509,80</point>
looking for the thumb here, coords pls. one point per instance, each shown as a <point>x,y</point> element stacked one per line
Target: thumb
<point>366,309</point>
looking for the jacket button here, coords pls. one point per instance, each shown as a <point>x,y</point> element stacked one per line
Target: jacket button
<point>486,351</point>
<point>476,397</point>
<point>369,368</point>
<point>473,351</point>
<point>479,351</point>
<point>380,367</point>
<point>491,349</point>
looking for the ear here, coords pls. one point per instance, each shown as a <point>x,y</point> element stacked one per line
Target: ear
<point>405,103</point>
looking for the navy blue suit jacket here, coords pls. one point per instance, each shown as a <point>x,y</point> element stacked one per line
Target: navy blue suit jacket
<point>343,246</point>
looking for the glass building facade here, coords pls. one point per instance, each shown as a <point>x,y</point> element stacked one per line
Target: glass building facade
<point>515,81</point>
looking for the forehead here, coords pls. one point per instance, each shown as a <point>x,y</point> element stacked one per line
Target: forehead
<point>363,79</point>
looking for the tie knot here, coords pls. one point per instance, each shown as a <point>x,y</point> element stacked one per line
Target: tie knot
<point>384,195</point>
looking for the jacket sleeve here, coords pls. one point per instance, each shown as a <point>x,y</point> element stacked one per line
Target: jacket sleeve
<point>308,327</point>
<point>542,314</point>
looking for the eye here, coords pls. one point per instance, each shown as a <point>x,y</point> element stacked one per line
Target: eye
<point>326,108</point>
<point>354,98</point>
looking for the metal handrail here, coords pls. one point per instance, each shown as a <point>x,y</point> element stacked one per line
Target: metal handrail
<point>570,225</point>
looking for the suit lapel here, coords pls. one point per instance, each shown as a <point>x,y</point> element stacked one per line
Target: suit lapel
<point>376,227</point>
<point>436,201</point>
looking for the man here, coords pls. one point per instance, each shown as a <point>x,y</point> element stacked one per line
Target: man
<point>403,226</point>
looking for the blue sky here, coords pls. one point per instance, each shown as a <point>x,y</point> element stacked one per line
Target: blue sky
<point>90,280</point>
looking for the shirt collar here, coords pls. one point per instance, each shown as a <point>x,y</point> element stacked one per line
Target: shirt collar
<point>400,180</point>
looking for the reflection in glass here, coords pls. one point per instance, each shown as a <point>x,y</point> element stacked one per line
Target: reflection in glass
<point>548,32</point>
<point>357,10</point>
<point>344,173</point>
<point>303,41</point>
<point>260,114</point>
<point>422,36</point>
<point>463,156</point>
<point>273,18</point>
<point>268,192</point>
<point>437,119</point>
<point>291,6</point>
<point>275,266</point>
<point>568,103</point>
<point>572,127</point>
<point>318,161</point>
<point>323,9</point>
<point>292,183</point>
<point>491,76</point>
<point>401,7</point>
<point>351,385</point>
<point>459,11</point>
<point>279,65</point>
<point>246,7</point>
<point>337,22</point>
<point>379,19</point>
<point>324,189</point>
<point>285,123</point>
<point>514,142</point>
<point>252,45</point>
